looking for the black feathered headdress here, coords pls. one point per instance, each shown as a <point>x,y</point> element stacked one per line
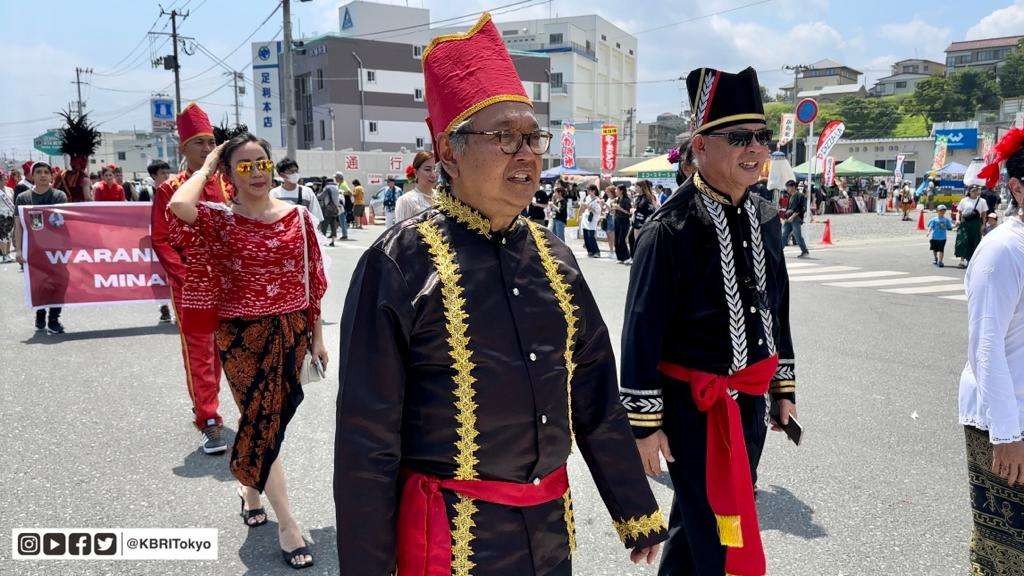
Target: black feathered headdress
<point>78,137</point>
<point>223,133</point>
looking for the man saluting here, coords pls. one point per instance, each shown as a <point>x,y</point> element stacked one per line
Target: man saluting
<point>472,351</point>
<point>706,334</point>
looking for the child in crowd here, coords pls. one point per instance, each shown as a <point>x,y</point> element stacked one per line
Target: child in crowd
<point>938,226</point>
<point>990,223</point>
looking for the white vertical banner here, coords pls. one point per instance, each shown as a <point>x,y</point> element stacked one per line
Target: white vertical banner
<point>898,172</point>
<point>787,129</point>
<point>267,93</point>
<point>830,170</point>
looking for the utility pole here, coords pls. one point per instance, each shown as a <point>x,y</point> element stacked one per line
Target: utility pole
<point>174,14</point>
<point>236,76</point>
<point>291,130</point>
<point>797,69</point>
<point>78,83</point>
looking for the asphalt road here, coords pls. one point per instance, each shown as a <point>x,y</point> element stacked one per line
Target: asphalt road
<point>96,429</point>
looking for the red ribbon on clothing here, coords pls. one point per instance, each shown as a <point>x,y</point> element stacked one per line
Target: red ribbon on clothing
<point>424,535</point>
<point>730,488</point>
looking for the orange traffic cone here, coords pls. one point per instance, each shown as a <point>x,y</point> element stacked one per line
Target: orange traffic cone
<point>892,206</point>
<point>920,220</point>
<point>826,238</point>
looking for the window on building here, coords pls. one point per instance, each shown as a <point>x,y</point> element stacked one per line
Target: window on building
<point>122,156</point>
<point>319,79</point>
<point>323,131</point>
<point>556,80</point>
<point>901,84</point>
<point>618,45</point>
<point>604,38</point>
<point>537,94</point>
<point>417,51</point>
<point>630,51</point>
<point>371,76</point>
<point>420,143</point>
<point>590,48</point>
<point>512,32</point>
<point>555,39</point>
<point>880,164</point>
<point>373,127</point>
<point>417,94</point>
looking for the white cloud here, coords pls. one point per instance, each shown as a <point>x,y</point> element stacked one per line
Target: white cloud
<point>926,40</point>
<point>1007,21</point>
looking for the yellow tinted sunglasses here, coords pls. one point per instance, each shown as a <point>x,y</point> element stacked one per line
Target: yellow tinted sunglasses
<point>245,167</point>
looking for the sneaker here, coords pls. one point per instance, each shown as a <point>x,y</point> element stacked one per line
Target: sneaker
<point>165,315</point>
<point>213,443</point>
<point>40,324</point>
<point>804,255</point>
<point>941,265</point>
<point>55,328</point>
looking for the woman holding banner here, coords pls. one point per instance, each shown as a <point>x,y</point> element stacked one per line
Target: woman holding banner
<point>256,276</point>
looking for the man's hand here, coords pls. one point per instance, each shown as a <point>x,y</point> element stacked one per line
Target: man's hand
<point>649,553</point>
<point>19,257</point>
<point>650,448</point>
<point>1008,462</point>
<point>786,409</point>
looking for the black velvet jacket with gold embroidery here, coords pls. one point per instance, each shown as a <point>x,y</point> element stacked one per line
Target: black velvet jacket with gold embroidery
<point>458,347</point>
<point>708,290</point>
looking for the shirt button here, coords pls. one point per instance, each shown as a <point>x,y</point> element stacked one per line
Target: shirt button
<point>536,481</point>
<point>744,243</point>
<point>739,210</point>
<point>504,241</point>
<point>753,310</point>
<point>543,418</point>
<point>760,341</point>
<point>515,291</point>
<point>533,357</point>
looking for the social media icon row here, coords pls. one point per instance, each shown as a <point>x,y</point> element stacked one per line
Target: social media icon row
<point>74,544</point>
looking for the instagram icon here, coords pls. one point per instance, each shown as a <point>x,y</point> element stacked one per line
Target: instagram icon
<point>28,544</point>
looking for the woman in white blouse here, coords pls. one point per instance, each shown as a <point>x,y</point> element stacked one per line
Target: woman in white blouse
<point>421,197</point>
<point>992,389</point>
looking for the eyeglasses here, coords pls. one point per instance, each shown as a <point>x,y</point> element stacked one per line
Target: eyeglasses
<point>743,138</point>
<point>246,167</point>
<point>510,142</point>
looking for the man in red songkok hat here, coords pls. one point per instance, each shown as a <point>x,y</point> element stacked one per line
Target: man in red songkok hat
<point>491,360</point>
<point>202,364</point>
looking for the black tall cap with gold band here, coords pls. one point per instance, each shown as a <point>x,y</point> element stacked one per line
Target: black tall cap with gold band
<point>720,99</point>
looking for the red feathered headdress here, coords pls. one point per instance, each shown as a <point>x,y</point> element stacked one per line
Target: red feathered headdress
<point>1008,146</point>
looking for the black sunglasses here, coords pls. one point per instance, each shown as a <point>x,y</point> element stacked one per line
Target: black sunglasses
<point>743,138</point>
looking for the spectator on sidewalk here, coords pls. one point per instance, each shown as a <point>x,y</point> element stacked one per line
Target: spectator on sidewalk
<point>536,211</point>
<point>971,212</point>
<point>608,217</point>
<point>644,209</point>
<point>359,205</point>
<point>389,199</point>
<point>41,194</point>
<point>622,208</point>
<point>291,191</point>
<point>331,203</point>
<point>937,227</point>
<point>589,215</point>
<point>797,211</point>
<point>422,175</point>
<point>881,197</point>
<point>559,212</point>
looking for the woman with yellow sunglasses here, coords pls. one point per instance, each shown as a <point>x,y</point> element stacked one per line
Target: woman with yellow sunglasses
<point>257,274</point>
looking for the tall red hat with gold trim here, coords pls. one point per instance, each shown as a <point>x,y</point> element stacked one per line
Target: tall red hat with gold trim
<point>193,122</point>
<point>465,73</point>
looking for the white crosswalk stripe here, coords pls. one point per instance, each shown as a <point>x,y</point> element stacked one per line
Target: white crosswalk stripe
<point>792,265</point>
<point>962,297</point>
<point>846,276</point>
<point>891,282</point>
<point>822,270</point>
<point>927,289</point>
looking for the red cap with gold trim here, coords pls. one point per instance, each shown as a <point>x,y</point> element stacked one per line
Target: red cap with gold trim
<point>465,73</point>
<point>193,122</point>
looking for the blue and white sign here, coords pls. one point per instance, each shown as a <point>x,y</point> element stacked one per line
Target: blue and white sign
<point>267,93</point>
<point>346,20</point>
<point>161,112</point>
<point>959,138</point>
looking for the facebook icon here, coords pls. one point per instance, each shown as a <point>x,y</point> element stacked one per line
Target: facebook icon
<point>79,544</point>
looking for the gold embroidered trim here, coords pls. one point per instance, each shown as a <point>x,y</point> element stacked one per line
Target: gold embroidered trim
<point>635,528</point>
<point>710,192</point>
<point>564,297</point>
<point>783,386</point>
<point>718,122</point>
<point>462,537</point>
<point>484,19</point>
<point>570,521</point>
<point>461,355</point>
<point>484,104</point>
<point>462,213</point>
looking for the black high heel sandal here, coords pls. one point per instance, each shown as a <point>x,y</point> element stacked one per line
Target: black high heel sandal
<point>300,551</point>
<point>250,514</point>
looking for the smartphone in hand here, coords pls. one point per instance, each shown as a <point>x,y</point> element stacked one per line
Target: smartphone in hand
<point>794,431</point>
<point>319,368</point>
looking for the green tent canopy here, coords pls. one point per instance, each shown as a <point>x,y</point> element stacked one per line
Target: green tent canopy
<point>849,167</point>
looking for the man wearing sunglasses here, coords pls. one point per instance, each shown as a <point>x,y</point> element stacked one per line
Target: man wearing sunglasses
<point>706,342</point>
<point>451,444</point>
<point>202,362</point>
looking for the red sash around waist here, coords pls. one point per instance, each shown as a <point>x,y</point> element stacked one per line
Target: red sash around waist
<point>730,488</point>
<point>424,535</point>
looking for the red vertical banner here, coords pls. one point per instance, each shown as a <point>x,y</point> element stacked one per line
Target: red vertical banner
<point>609,149</point>
<point>568,145</point>
<point>90,253</point>
<point>830,171</point>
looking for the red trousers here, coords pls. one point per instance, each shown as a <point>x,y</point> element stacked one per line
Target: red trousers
<point>202,373</point>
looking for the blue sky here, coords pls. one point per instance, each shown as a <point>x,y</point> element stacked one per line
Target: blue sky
<point>42,45</point>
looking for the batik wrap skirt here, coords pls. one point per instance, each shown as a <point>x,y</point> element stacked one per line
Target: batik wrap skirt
<point>262,359</point>
<point>997,545</point>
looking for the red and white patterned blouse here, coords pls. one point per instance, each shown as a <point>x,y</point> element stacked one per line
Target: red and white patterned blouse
<point>245,268</point>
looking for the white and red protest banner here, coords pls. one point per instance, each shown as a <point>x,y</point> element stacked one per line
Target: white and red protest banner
<point>830,171</point>
<point>787,128</point>
<point>609,149</point>
<point>352,162</point>
<point>90,253</point>
<point>831,134</point>
<point>898,172</point>
<point>568,145</point>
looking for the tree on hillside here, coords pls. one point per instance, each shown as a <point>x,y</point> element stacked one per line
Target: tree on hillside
<point>934,100</point>
<point>978,87</point>
<point>868,117</point>
<point>1011,75</point>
